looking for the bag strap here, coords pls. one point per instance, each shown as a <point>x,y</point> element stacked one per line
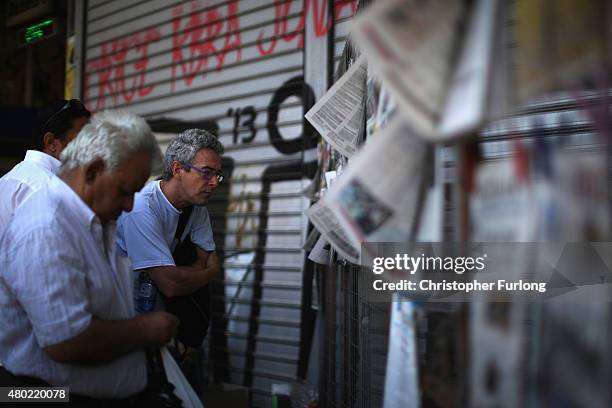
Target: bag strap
<point>182,222</point>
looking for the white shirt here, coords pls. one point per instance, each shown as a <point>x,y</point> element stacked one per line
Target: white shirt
<point>35,171</point>
<point>58,268</point>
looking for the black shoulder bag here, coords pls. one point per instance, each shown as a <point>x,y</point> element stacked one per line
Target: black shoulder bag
<point>192,310</point>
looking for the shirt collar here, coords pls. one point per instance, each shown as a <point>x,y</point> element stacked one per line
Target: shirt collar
<point>84,214</point>
<point>165,200</point>
<point>43,160</point>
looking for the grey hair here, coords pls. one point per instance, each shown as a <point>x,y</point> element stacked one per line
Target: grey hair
<point>185,146</point>
<point>113,136</point>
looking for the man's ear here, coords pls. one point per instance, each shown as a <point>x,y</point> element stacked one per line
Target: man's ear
<point>93,169</point>
<point>52,144</point>
<point>176,169</point>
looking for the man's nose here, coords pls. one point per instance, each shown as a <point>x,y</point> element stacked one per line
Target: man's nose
<point>213,181</point>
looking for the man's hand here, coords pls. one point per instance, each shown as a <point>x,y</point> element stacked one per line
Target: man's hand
<point>182,280</point>
<point>212,263</point>
<point>158,328</point>
<point>105,340</point>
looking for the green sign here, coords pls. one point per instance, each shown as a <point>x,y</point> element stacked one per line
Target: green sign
<point>36,32</point>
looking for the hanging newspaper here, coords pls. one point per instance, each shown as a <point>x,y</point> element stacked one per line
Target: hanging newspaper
<point>501,211</point>
<point>498,333</point>
<point>338,115</point>
<point>401,380</point>
<point>386,108</point>
<point>466,102</point>
<point>410,45</point>
<point>378,195</point>
<point>320,252</point>
<point>328,223</point>
<point>371,107</point>
<point>501,208</point>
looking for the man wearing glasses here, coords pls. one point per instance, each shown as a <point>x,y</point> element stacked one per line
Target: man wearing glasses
<point>59,123</point>
<point>147,234</point>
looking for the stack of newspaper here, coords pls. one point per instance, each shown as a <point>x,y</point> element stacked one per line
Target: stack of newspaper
<point>407,90</point>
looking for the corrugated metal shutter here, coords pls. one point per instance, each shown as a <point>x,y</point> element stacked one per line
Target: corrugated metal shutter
<point>234,67</point>
<point>342,28</point>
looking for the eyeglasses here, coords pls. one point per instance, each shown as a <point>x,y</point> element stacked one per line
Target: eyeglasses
<point>206,172</point>
<point>71,104</point>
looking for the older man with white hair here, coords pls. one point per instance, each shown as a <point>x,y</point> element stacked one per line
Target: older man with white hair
<point>66,307</point>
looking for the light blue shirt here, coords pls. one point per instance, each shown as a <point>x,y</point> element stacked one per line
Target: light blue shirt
<point>146,234</point>
<point>58,268</point>
<point>35,171</point>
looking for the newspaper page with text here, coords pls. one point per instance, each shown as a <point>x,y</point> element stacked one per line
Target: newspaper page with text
<point>338,115</point>
<point>410,45</point>
<point>378,195</point>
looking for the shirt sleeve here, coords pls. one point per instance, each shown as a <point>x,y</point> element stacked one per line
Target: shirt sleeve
<point>13,194</point>
<point>144,240</point>
<point>50,286</point>
<point>201,230</point>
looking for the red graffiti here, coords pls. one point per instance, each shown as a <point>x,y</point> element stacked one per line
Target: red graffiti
<point>339,5</point>
<point>110,68</point>
<point>198,35</point>
<point>321,27</point>
<point>232,36</point>
<point>203,37</point>
<point>282,9</point>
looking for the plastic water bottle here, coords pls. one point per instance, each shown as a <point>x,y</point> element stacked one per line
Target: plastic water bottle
<point>145,293</point>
